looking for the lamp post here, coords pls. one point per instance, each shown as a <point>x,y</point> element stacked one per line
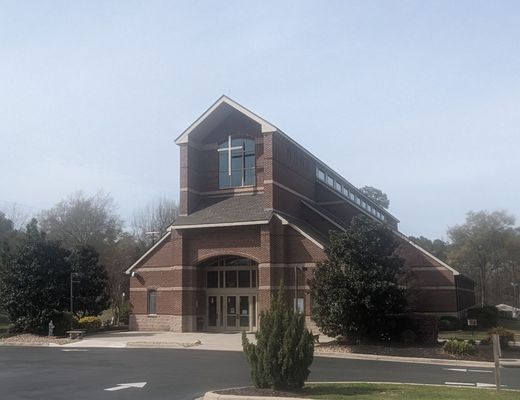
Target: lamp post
<point>73,275</point>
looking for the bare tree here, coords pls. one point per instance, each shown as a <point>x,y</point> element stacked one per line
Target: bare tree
<point>19,217</point>
<point>119,257</point>
<point>153,220</point>
<point>83,220</point>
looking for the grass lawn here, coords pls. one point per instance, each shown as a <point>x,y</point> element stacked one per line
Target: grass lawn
<point>370,391</point>
<point>511,325</point>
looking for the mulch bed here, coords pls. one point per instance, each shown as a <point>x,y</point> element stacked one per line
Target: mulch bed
<point>485,353</point>
<point>30,339</point>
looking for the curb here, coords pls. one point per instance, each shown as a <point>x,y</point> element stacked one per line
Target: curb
<point>161,345</point>
<point>509,363</point>
<point>216,396</point>
<point>412,360</point>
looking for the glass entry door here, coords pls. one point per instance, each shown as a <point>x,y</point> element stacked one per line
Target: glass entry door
<point>244,311</point>
<point>212,311</point>
<point>231,312</point>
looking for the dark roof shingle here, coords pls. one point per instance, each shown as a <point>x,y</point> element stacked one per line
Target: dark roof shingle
<point>238,208</point>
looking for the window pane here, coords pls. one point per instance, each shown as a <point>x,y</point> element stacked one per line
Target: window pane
<point>152,297</point>
<point>236,162</point>
<point>231,279</point>
<point>321,175</point>
<point>249,145</point>
<point>223,161</point>
<point>236,178</point>
<point>253,278</point>
<point>237,142</point>
<point>223,180</point>
<point>238,261</point>
<point>244,279</point>
<point>212,279</point>
<point>249,178</point>
<point>330,181</point>
<point>249,161</point>
<point>338,186</point>
<point>221,282</point>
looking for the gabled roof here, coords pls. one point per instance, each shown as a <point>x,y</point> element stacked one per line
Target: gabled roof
<point>220,211</point>
<point>217,113</point>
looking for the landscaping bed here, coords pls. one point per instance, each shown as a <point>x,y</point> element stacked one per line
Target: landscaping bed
<point>376,391</point>
<point>30,339</point>
<point>484,353</point>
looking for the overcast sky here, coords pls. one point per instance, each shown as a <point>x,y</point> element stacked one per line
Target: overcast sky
<point>418,98</point>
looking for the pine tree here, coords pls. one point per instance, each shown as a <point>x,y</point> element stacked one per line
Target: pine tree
<point>284,348</point>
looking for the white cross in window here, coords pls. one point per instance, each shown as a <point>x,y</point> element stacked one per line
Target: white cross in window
<point>229,149</point>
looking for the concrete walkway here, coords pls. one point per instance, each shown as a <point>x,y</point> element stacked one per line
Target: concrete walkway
<point>198,340</point>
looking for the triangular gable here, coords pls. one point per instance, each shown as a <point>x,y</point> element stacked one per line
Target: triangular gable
<point>426,253</point>
<point>148,252</point>
<point>219,111</point>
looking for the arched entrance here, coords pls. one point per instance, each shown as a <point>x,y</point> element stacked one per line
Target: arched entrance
<point>231,294</point>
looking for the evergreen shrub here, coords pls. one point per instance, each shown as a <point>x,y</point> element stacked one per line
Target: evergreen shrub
<point>284,348</point>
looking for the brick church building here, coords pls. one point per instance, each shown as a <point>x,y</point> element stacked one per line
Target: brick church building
<point>256,207</point>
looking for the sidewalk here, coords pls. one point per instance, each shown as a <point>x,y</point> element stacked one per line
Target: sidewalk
<point>198,340</point>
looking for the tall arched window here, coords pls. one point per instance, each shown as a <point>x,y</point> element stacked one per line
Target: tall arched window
<point>236,163</point>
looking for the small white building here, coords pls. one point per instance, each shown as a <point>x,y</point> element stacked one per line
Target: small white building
<point>513,311</point>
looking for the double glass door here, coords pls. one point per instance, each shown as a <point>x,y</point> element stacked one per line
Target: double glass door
<point>232,312</point>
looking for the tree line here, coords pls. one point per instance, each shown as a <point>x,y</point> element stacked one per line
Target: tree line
<point>486,247</point>
<point>83,235</point>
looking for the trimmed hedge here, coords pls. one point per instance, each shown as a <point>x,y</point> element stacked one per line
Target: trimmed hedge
<point>408,328</point>
<point>90,324</point>
<point>449,323</point>
<point>486,316</point>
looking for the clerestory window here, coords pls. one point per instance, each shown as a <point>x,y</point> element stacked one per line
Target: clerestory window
<point>236,163</point>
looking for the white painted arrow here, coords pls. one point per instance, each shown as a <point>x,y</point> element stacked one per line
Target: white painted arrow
<point>488,385</point>
<point>456,369</point>
<point>120,386</point>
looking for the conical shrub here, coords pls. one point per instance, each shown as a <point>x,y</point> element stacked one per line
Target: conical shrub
<point>284,348</point>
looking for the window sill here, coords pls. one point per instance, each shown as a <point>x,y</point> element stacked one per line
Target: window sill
<point>152,315</point>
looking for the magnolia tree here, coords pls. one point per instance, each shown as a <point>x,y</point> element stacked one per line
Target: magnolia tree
<point>356,289</point>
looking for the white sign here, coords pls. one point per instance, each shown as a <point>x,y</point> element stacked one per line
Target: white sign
<point>121,386</point>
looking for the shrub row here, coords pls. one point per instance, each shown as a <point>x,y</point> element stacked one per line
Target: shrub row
<point>410,328</point>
